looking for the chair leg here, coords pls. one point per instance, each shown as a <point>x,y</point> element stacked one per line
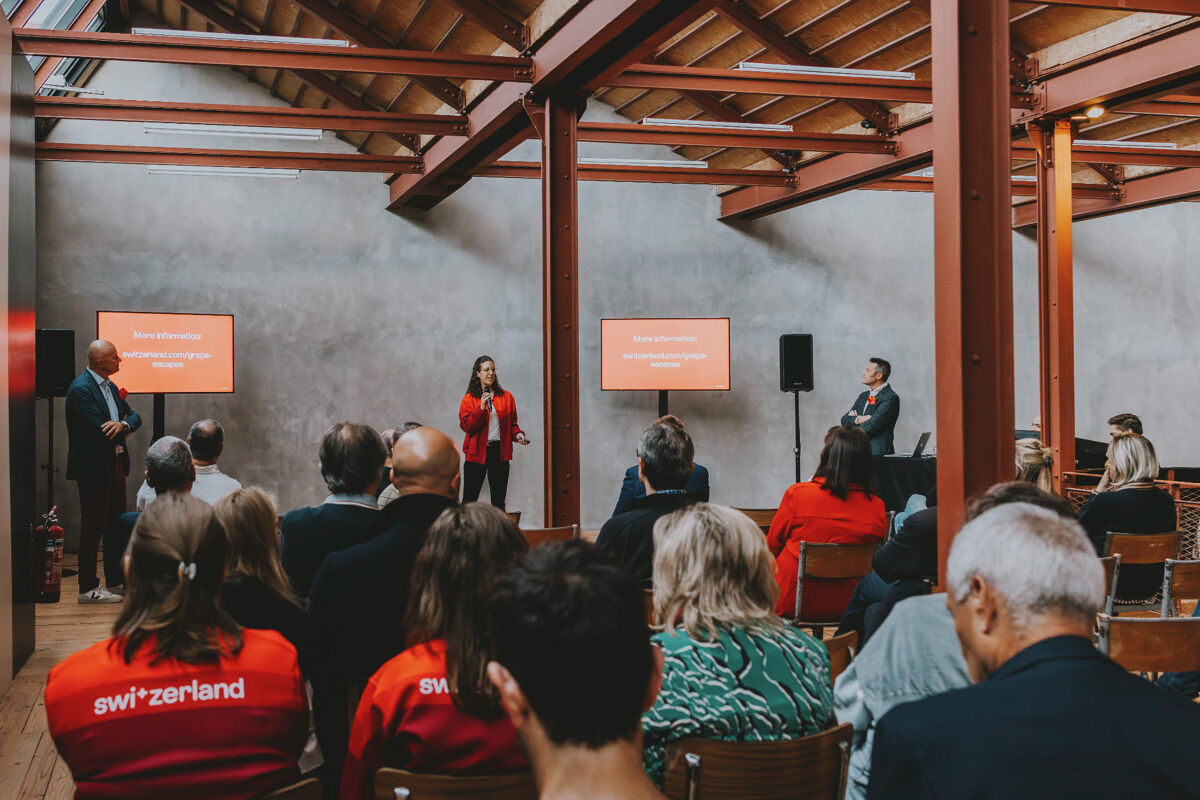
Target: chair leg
<point>819,632</point>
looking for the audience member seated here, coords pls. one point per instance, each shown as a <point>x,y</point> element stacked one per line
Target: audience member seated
<point>632,489</point>
<point>350,458</point>
<point>360,594</point>
<point>900,569</point>
<point>256,592</point>
<point>732,670</point>
<point>664,464</point>
<point>169,468</point>
<point>1131,504</point>
<point>835,506</point>
<point>390,492</point>
<point>1024,587</point>
<point>575,670</point>
<point>206,440</point>
<point>1034,461</point>
<point>180,702</point>
<point>914,653</point>
<point>432,708</point>
<point>1118,424</point>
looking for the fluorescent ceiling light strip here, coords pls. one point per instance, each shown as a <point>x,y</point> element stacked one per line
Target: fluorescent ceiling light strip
<point>844,72</point>
<point>921,173</point>
<point>58,83</point>
<point>1025,178</point>
<point>644,162</point>
<point>239,37</point>
<point>706,123</point>
<point>1119,143</point>
<point>245,131</point>
<point>227,172</point>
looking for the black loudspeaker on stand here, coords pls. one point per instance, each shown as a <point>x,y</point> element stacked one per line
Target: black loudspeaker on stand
<point>54,352</point>
<point>796,376</point>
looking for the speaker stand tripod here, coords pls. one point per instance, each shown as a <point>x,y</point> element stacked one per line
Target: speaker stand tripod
<point>796,449</point>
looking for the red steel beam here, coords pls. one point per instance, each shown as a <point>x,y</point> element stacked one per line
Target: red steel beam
<point>271,55</point>
<point>560,312</point>
<point>672,135</point>
<point>973,295</point>
<point>331,119</point>
<point>363,36</point>
<point>1173,105</point>
<point>766,35</point>
<point>1125,75</point>
<point>736,81</point>
<point>620,173</point>
<point>495,21</point>
<point>1186,7</point>
<point>197,157</point>
<point>603,37</point>
<point>1130,156</point>
<point>1056,303</point>
<point>916,183</point>
<point>1020,66</point>
<point>1152,190</point>
<point>831,176</point>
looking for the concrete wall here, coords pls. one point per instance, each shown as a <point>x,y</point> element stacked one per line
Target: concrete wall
<point>346,311</point>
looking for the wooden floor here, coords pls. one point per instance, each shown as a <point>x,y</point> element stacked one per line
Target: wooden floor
<point>29,764</point>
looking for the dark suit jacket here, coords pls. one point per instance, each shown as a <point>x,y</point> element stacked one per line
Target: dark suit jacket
<point>90,452</point>
<point>883,419</point>
<point>253,605</point>
<point>912,553</point>
<point>1057,720</point>
<point>307,535</point>
<point>630,536</point>
<point>360,594</point>
<point>633,489</point>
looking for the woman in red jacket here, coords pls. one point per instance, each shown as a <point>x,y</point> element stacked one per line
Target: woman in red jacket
<point>181,702</point>
<point>432,708</point>
<point>488,416</point>
<point>835,506</point>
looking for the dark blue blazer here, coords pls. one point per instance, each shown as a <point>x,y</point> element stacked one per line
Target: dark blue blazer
<point>308,535</point>
<point>632,488</point>
<point>90,451</point>
<point>1057,720</point>
<point>882,423</point>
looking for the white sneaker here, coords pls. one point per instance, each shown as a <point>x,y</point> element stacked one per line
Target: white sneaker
<point>100,595</point>
<point>119,589</point>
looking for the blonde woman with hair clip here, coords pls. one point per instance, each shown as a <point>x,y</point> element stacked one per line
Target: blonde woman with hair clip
<point>1131,504</point>
<point>732,670</point>
<point>180,702</point>
<point>1034,461</point>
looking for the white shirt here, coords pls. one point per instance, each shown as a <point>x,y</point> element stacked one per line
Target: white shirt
<point>210,486</point>
<point>878,389</point>
<point>493,424</point>
<point>106,390</point>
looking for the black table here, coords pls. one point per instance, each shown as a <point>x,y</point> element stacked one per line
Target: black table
<point>896,478</point>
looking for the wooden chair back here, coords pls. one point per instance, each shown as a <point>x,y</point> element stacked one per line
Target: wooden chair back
<point>1112,566</point>
<point>760,516</point>
<point>1141,548</point>
<point>540,536</point>
<point>453,787</point>
<point>826,561</point>
<point>514,517</point>
<point>1152,644</point>
<point>650,618</point>
<point>1181,581</point>
<point>309,789</point>
<point>842,650</point>
<point>810,768</point>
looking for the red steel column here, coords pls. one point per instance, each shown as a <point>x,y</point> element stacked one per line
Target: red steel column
<point>1056,313</point>
<point>560,310</point>
<point>972,255</point>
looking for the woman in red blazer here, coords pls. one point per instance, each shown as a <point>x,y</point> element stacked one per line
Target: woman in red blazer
<point>488,416</point>
<point>835,506</point>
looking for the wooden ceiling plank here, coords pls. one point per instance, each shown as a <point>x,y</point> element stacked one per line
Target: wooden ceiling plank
<point>497,22</point>
<point>783,47</point>
<point>361,35</point>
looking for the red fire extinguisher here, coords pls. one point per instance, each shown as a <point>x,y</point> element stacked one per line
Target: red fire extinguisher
<point>50,541</point>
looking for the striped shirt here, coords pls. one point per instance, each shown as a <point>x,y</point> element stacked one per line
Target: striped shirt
<point>747,685</point>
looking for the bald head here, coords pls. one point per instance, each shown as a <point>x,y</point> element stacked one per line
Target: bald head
<point>425,461</point>
<point>103,359</point>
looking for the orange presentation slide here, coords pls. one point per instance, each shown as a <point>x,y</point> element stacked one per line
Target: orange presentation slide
<point>172,353</point>
<point>672,354</point>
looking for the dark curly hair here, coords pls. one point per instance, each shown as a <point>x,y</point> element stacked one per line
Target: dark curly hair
<point>475,386</point>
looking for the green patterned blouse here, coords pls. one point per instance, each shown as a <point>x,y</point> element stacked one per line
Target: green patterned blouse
<point>748,685</point>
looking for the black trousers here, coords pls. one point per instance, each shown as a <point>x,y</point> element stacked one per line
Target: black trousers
<point>100,504</point>
<point>496,472</point>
